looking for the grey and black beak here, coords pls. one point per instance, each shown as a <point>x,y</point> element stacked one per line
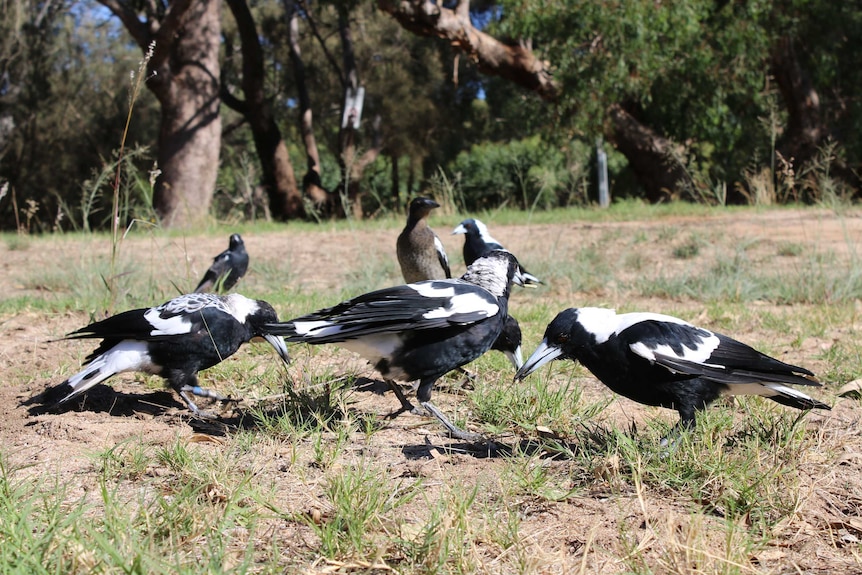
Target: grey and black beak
<point>277,342</point>
<point>543,354</point>
<point>459,230</point>
<point>515,357</point>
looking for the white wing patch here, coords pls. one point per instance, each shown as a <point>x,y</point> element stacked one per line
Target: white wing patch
<point>174,325</point>
<point>432,288</point>
<point>467,303</point>
<point>440,250</point>
<point>320,328</point>
<point>698,355</point>
<point>191,303</point>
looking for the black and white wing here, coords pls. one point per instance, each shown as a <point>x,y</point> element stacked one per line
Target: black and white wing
<point>686,349</point>
<point>442,257</point>
<point>179,316</point>
<point>413,307</point>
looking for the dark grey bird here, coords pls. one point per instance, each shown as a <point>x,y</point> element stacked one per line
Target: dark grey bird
<point>419,331</point>
<point>227,268</point>
<point>420,252</point>
<point>175,340</point>
<point>478,242</point>
<point>661,360</point>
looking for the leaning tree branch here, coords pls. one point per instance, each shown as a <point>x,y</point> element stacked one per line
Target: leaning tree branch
<point>139,30</point>
<point>515,63</point>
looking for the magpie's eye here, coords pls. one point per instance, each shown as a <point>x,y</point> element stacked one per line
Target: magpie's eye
<point>563,338</point>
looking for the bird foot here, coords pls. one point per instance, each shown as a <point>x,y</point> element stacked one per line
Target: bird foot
<point>454,431</point>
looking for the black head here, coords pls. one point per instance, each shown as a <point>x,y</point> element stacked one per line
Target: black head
<point>235,242</point>
<point>260,313</point>
<point>468,227</point>
<point>560,342</point>
<point>421,207</point>
<point>509,342</point>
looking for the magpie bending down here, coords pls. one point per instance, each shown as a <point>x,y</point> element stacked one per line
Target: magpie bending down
<point>226,269</point>
<point>419,250</point>
<point>418,331</point>
<point>660,360</point>
<point>478,242</point>
<point>175,340</point>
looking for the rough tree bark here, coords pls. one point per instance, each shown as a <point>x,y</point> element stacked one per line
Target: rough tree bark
<point>184,76</point>
<point>516,63</point>
<point>279,180</point>
<point>352,167</point>
<point>651,156</point>
<point>324,201</point>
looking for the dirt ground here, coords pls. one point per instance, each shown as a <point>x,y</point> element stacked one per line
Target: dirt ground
<point>823,538</point>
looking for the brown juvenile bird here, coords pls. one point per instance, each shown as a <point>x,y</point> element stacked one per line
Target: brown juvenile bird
<point>420,252</point>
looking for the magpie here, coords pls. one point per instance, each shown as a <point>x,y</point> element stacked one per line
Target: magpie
<point>175,340</point>
<point>419,250</point>
<point>661,360</point>
<point>509,342</point>
<point>478,242</point>
<point>226,269</point>
<point>418,331</point>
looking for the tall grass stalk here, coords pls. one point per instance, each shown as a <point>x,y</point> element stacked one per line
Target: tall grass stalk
<point>137,83</point>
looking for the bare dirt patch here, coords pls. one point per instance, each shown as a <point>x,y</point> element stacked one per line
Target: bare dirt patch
<point>581,531</point>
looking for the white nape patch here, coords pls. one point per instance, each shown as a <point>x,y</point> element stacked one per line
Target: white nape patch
<point>604,322</point>
<point>432,289</point>
<point>483,233</point>
<point>174,325</point>
<point>470,303</point>
<point>240,306</point>
<point>320,328</point>
<point>599,321</point>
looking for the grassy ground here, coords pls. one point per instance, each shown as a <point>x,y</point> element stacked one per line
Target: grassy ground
<point>305,475</point>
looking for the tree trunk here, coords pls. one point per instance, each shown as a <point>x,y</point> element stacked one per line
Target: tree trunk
<point>324,201</point>
<point>805,128</point>
<point>279,180</point>
<point>650,155</point>
<point>182,42</point>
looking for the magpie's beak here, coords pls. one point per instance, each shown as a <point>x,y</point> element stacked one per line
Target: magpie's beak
<point>518,278</point>
<point>459,230</point>
<point>515,357</point>
<point>543,354</point>
<point>277,342</point>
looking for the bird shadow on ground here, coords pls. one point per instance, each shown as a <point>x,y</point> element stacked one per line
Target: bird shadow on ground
<point>104,398</point>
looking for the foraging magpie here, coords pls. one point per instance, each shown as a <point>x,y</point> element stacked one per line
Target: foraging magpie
<point>420,252</point>
<point>418,331</point>
<point>226,269</point>
<point>175,340</point>
<point>478,242</point>
<point>661,360</point>
<point>509,342</point>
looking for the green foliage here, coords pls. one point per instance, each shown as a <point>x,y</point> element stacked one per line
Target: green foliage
<point>527,173</point>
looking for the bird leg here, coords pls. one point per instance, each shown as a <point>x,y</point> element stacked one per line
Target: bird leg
<point>184,390</point>
<point>685,424</point>
<point>454,431</point>
<point>396,389</point>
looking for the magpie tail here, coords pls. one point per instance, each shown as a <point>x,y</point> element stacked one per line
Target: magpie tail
<point>792,398</point>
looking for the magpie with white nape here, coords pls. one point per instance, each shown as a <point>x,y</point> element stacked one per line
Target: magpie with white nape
<point>419,331</point>
<point>419,250</point>
<point>478,242</point>
<point>226,269</point>
<point>175,340</point>
<point>661,360</point>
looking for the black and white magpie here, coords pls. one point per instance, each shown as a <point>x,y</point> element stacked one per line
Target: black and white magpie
<point>226,269</point>
<point>419,331</point>
<point>420,252</point>
<point>175,340</point>
<point>478,242</point>
<point>661,360</point>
